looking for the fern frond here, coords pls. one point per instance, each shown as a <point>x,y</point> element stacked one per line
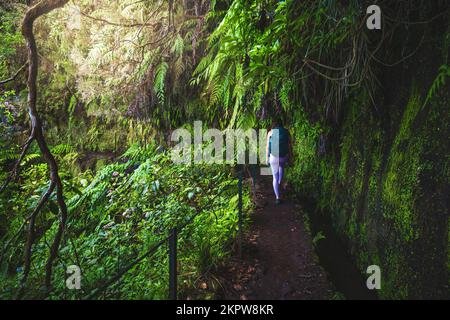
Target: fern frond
<point>439,82</point>
<point>160,78</point>
<point>62,149</point>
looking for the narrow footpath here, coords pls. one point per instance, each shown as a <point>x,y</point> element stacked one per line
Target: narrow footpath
<point>278,258</point>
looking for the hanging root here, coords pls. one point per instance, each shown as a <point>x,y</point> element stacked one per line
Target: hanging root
<point>31,237</point>
<point>34,12</point>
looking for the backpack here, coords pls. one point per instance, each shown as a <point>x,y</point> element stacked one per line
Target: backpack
<point>279,142</point>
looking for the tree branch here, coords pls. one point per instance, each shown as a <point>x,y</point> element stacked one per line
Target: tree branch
<point>126,25</point>
<point>39,9</point>
<point>14,77</point>
<point>31,237</point>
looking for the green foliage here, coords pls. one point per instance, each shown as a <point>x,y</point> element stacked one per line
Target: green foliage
<point>125,58</point>
<point>8,148</point>
<point>127,208</point>
<point>160,78</point>
<point>127,72</point>
<point>10,39</point>
<point>319,236</point>
<point>439,82</point>
<point>384,202</point>
<point>262,50</point>
<point>404,171</point>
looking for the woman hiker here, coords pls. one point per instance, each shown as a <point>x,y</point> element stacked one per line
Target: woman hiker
<point>279,152</point>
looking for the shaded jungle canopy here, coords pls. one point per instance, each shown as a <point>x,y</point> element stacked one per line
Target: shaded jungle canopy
<point>368,110</point>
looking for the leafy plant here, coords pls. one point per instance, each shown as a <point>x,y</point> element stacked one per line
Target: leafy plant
<point>439,82</point>
<point>126,209</point>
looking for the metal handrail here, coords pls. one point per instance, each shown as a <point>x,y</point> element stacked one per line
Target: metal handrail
<point>172,239</point>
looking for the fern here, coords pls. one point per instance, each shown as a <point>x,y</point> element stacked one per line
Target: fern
<point>160,78</point>
<point>178,46</point>
<point>8,154</point>
<point>63,149</point>
<point>439,82</point>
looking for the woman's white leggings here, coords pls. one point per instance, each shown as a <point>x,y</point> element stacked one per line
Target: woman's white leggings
<point>277,165</point>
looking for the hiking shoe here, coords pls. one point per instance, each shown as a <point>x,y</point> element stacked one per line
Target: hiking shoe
<point>277,202</point>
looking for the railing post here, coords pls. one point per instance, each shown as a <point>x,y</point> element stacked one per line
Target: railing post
<point>173,264</point>
<point>240,211</point>
<point>253,169</point>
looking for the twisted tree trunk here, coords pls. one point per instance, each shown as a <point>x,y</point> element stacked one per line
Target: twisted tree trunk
<point>39,9</point>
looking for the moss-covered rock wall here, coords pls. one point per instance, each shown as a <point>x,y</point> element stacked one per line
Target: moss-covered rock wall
<point>387,197</point>
<point>381,176</point>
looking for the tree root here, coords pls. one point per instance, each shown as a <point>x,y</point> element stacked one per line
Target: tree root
<point>39,9</point>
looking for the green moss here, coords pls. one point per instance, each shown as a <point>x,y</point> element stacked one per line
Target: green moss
<point>395,276</point>
<point>377,195</point>
<point>402,174</point>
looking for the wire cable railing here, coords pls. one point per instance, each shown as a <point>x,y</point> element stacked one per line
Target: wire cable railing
<point>172,240</point>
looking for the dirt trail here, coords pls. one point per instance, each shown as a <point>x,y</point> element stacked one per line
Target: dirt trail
<point>278,259</point>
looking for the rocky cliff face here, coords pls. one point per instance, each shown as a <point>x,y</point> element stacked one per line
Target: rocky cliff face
<point>383,180</point>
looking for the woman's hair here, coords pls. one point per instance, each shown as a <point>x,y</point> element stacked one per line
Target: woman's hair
<point>277,122</point>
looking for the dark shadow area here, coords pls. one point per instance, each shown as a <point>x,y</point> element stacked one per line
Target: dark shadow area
<point>334,256</point>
